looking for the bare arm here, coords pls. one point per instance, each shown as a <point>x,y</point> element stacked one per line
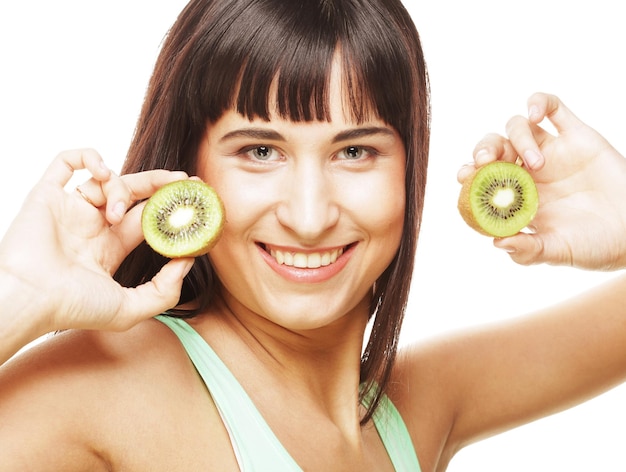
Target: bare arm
<point>524,369</point>
<point>456,390</point>
<point>485,381</point>
<point>14,332</point>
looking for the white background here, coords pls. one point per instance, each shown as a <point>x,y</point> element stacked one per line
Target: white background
<point>73,74</point>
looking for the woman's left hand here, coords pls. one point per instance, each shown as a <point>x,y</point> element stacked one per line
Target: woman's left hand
<point>581,179</point>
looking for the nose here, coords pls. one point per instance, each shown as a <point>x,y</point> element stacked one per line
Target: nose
<point>308,205</point>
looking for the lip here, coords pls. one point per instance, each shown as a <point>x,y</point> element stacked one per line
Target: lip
<point>308,275</point>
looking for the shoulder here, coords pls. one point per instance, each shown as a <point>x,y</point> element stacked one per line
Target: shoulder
<point>99,391</point>
<point>77,367</point>
<point>92,357</point>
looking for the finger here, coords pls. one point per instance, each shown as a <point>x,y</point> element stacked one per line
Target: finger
<point>493,147</point>
<point>84,196</point>
<point>62,168</point>
<point>523,136</point>
<point>118,193</point>
<point>156,296</point>
<point>142,185</point>
<point>135,187</point>
<point>465,171</point>
<point>523,248</point>
<point>132,187</point>
<point>543,105</point>
<point>128,230</point>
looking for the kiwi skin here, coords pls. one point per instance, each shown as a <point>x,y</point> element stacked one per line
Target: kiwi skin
<point>204,237</point>
<point>467,203</point>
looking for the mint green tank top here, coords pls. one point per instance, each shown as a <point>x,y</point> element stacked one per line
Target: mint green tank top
<point>255,445</point>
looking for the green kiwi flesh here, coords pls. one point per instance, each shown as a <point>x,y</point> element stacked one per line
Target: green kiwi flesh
<point>499,199</point>
<point>183,219</point>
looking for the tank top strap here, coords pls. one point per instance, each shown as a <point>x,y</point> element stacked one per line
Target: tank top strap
<point>394,434</point>
<point>255,445</point>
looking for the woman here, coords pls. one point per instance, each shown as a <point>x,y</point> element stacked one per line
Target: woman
<point>316,162</point>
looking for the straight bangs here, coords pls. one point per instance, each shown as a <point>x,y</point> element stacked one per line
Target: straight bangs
<point>282,54</point>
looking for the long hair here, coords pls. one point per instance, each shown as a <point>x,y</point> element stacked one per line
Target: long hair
<point>227,54</point>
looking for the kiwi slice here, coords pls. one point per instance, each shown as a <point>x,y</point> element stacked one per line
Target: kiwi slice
<point>499,199</point>
<point>183,219</point>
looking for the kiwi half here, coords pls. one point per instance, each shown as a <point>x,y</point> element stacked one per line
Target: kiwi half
<point>183,219</point>
<point>499,199</point>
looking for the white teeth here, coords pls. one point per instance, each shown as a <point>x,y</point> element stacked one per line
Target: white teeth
<point>325,259</point>
<point>280,258</point>
<point>314,260</point>
<point>288,258</point>
<point>300,260</point>
<point>303,260</point>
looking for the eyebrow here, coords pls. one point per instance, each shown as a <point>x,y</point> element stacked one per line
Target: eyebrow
<point>271,135</point>
<point>357,133</point>
<point>254,133</point>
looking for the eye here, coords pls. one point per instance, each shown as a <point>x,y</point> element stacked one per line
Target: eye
<point>261,153</point>
<point>354,153</point>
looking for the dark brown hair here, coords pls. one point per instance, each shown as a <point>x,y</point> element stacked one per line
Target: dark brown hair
<point>225,54</point>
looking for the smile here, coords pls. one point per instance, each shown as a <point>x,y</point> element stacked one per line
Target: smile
<point>302,260</point>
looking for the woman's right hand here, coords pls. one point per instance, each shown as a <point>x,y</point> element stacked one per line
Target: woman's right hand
<point>58,256</point>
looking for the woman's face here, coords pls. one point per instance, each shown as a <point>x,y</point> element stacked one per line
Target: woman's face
<point>314,212</point>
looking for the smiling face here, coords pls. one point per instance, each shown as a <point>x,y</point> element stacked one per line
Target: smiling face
<point>314,212</point>
<point>219,56</point>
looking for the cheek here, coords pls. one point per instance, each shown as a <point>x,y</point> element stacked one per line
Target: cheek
<point>248,203</point>
<point>387,217</point>
<point>379,204</point>
<point>244,196</point>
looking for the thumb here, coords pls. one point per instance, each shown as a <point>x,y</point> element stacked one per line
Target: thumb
<point>159,294</point>
<point>523,248</point>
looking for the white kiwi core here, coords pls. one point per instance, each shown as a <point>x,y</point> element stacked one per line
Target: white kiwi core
<point>503,198</point>
<point>181,217</point>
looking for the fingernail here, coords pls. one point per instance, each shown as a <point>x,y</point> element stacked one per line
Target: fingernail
<point>532,158</point>
<point>464,172</point>
<point>482,157</point>
<point>508,249</point>
<point>533,113</point>
<point>119,209</point>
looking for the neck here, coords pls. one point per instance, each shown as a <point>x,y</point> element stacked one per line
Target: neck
<point>319,366</point>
